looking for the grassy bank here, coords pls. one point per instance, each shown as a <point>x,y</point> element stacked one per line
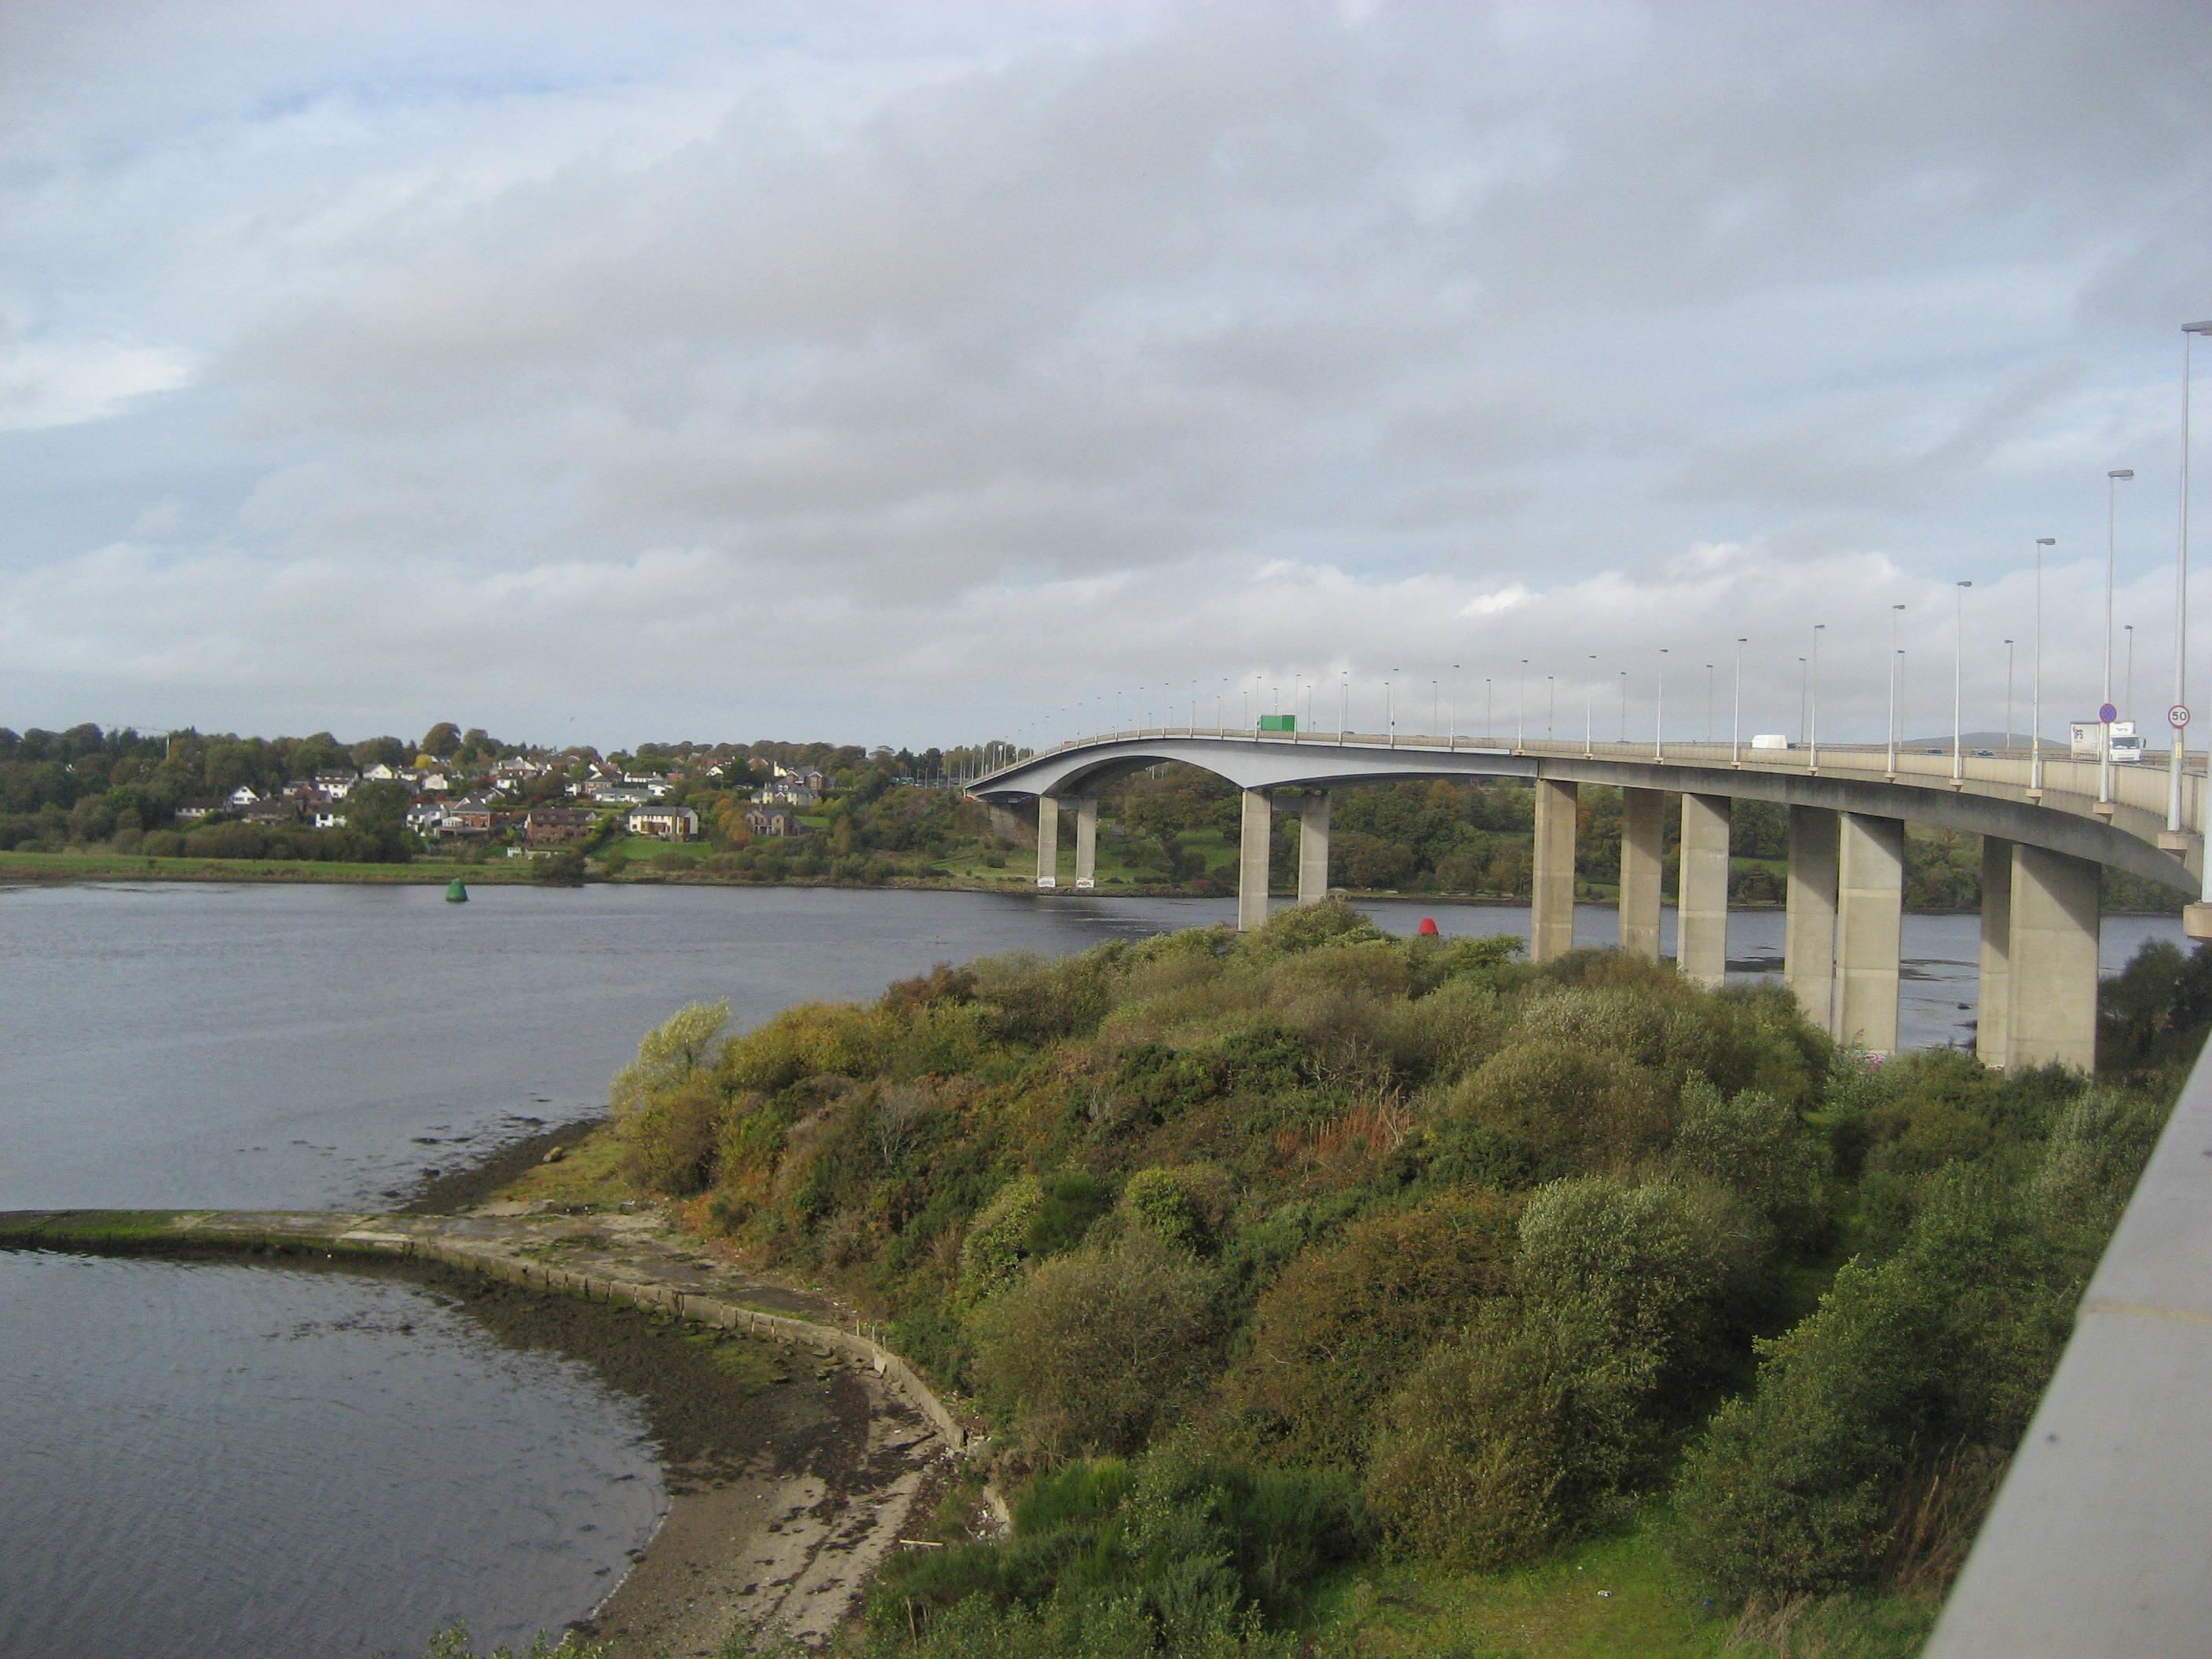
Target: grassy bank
<point>91,865</point>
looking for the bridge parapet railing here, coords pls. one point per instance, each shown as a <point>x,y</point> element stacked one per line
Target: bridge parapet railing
<point>2067,782</point>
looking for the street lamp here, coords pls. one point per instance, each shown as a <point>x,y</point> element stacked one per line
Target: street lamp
<point>1735,713</point>
<point>1343,700</point>
<point>1659,712</point>
<point>2189,332</point>
<point>1624,705</point>
<point>1521,710</point>
<point>2127,691</point>
<point>2112,482</point>
<point>1391,711</point>
<point>1489,725</point>
<point>1551,704</point>
<point>1589,688</point>
<point>1958,679</point>
<point>2008,646</point>
<point>1451,711</point>
<point>1895,612</point>
<point>1804,685</point>
<point>2035,678</point>
<point>1436,703</point>
<point>1813,736</point>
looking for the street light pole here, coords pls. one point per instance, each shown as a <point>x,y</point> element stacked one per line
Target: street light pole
<point>1451,711</point>
<point>1735,713</point>
<point>1488,717</point>
<point>1813,740</point>
<point>1391,711</point>
<point>1804,686</point>
<point>1958,680</point>
<point>2008,645</point>
<point>2128,685</point>
<point>2189,333</point>
<point>1659,712</point>
<point>2035,678</point>
<point>1589,692</point>
<point>1709,705</point>
<point>1551,703</point>
<point>1895,612</point>
<point>1624,705</point>
<point>2112,482</point>
<point>1521,710</point>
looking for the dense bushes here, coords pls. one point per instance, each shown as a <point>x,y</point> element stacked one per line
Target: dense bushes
<point>1471,1249</point>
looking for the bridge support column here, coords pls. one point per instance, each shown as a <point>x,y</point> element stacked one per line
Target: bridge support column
<point>1313,848</point>
<point>2052,973</point>
<point>1047,841</point>
<point>1643,846</point>
<point>1808,935</point>
<point>1701,891</point>
<point>1259,826</point>
<point>1869,930</point>
<point>1993,1024</point>
<point>1552,889</point>
<point>1087,841</point>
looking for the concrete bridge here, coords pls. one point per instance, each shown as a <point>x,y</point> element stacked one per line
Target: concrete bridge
<point>2046,826</point>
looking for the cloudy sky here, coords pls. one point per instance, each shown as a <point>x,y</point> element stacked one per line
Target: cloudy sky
<point>910,373</point>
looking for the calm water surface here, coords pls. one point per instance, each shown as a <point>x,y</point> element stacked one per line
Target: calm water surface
<point>256,1461</point>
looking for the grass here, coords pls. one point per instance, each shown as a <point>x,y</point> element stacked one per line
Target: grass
<point>133,866</point>
<point>589,1177</point>
<point>1616,1597</point>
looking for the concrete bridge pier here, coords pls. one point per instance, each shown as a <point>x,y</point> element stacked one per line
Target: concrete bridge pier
<point>1808,936</point>
<point>1993,1024</point>
<point>1869,930</point>
<point>1047,874</point>
<point>1643,843</point>
<point>1087,841</point>
<point>2051,974</point>
<point>1313,847</point>
<point>1258,830</point>
<point>1552,887</point>
<point>1701,891</point>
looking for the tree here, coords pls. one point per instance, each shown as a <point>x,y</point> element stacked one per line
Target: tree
<point>379,812</point>
<point>441,740</point>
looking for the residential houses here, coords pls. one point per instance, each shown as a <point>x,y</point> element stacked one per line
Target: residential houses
<point>558,826</point>
<point>664,823</point>
<point>773,822</point>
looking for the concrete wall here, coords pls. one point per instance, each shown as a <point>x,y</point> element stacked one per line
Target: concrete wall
<point>1643,848</point>
<point>1552,895</point>
<point>2052,974</point>
<point>1048,866</point>
<point>1313,848</point>
<point>1701,901</point>
<point>1808,946</point>
<point>1258,830</point>
<point>1870,929</point>
<point>1993,1024</point>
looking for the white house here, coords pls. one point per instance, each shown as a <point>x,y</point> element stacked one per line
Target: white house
<point>244,795</point>
<point>668,823</point>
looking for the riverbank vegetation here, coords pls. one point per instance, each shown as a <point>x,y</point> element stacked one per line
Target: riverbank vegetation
<point>1334,1293</point>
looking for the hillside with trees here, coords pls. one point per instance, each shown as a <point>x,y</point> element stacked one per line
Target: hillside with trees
<point>1331,1293</point>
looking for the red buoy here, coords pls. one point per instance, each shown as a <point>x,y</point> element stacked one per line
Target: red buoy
<point>1428,928</point>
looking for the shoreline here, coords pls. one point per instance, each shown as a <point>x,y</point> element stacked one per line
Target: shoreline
<point>497,875</point>
<point>796,1453</point>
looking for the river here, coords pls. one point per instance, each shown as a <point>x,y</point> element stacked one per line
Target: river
<point>263,1462</point>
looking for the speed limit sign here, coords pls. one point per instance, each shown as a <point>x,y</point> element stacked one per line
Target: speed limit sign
<point>2178,716</point>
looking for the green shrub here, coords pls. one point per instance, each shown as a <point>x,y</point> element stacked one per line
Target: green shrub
<point>666,1105</point>
<point>993,1252</point>
<point>1585,1107</point>
<point>1094,1351</point>
<point>1184,1206</point>
<point>1346,1321</point>
<point>1761,1150</point>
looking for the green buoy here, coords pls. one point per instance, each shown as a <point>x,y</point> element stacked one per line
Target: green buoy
<point>456,892</point>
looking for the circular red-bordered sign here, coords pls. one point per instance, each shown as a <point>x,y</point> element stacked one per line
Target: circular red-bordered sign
<point>2178,716</point>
